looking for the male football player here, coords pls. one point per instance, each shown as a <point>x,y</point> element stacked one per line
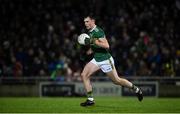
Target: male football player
<point>102,60</point>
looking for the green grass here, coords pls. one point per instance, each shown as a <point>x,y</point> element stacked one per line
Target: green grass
<point>103,105</point>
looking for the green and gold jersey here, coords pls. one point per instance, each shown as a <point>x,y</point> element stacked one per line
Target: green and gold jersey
<point>100,54</point>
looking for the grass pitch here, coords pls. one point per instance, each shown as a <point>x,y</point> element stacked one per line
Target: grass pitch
<point>103,105</point>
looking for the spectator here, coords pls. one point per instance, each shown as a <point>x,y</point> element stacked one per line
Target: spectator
<point>35,33</point>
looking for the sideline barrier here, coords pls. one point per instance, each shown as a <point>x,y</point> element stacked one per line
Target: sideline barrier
<point>99,89</point>
<point>30,86</point>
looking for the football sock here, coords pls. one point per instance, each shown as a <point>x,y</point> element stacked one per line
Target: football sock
<point>90,95</point>
<point>135,88</point>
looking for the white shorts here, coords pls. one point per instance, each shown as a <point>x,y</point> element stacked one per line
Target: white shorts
<point>106,65</point>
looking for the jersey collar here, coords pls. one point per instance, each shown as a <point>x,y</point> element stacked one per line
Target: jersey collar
<point>92,29</point>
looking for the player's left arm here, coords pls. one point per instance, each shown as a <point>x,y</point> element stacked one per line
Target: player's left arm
<point>102,42</point>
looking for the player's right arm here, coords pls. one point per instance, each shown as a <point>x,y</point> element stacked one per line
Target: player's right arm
<point>86,53</point>
<point>89,51</point>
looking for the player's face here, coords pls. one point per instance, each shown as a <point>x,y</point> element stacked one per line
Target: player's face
<point>89,23</point>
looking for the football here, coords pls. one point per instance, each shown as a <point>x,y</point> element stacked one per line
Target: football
<point>82,37</point>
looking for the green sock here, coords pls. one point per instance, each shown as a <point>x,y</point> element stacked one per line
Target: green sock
<point>90,95</point>
<point>135,88</point>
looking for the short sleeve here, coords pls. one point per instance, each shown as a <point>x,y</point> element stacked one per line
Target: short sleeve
<point>100,34</point>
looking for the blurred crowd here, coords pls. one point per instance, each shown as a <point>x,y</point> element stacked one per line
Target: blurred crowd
<point>38,36</point>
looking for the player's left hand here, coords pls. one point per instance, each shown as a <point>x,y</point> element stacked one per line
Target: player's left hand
<point>89,41</point>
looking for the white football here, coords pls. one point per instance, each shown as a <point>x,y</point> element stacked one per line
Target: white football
<point>82,37</point>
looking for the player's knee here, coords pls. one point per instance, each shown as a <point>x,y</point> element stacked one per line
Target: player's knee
<point>117,81</point>
<point>83,76</point>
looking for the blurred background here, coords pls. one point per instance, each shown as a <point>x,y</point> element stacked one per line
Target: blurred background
<point>38,44</point>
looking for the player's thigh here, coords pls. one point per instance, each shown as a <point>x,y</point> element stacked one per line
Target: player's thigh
<point>113,74</point>
<point>89,69</point>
